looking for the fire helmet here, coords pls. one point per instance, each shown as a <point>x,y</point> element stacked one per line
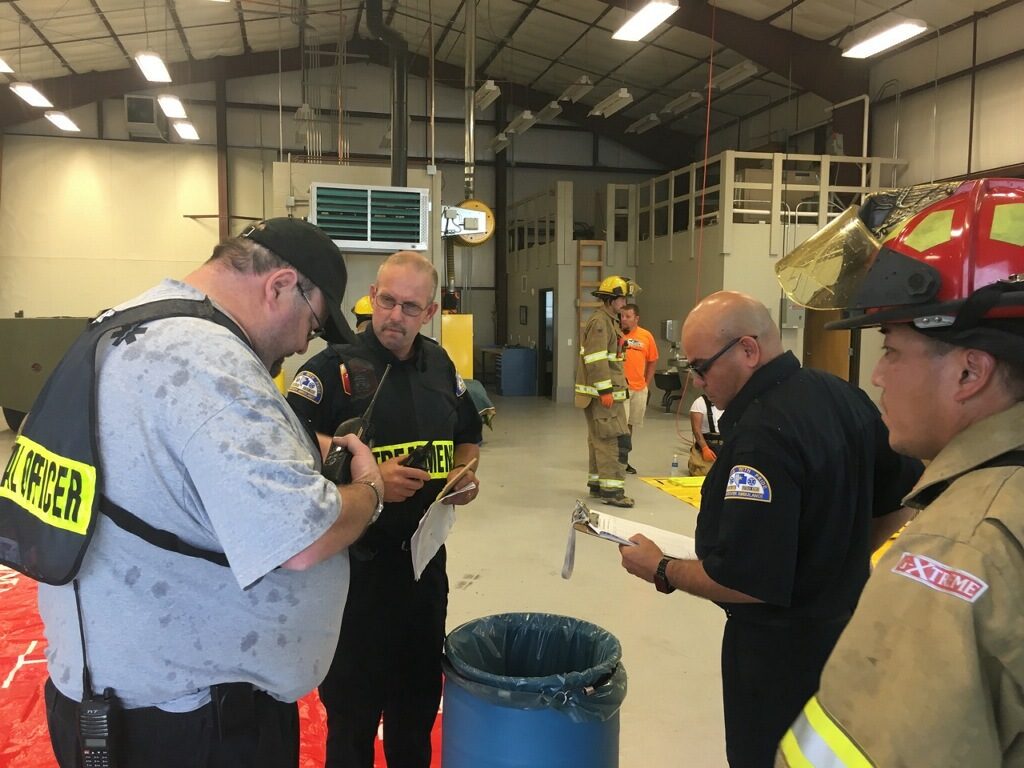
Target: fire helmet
<point>613,287</point>
<point>947,257</point>
<point>363,309</point>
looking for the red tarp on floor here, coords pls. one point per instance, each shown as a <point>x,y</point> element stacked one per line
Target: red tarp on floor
<point>24,741</point>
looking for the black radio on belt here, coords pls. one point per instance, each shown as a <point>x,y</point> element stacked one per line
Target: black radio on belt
<point>417,457</point>
<point>97,719</point>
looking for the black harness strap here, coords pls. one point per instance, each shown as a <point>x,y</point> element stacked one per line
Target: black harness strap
<point>155,536</point>
<point>1014,458</point>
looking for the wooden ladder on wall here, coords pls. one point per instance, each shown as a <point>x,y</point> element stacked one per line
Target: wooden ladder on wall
<point>589,274</point>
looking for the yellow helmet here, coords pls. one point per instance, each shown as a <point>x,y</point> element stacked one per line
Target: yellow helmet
<point>615,286</point>
<point>363,307</point>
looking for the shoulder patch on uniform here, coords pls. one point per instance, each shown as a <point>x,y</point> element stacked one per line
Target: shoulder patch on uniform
<point>940,577</point>
<point>748,484</point>
<point>307,385</point>
<point>460,386</point>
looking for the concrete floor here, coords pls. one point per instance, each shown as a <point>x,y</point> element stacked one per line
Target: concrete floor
<point>506,550</point>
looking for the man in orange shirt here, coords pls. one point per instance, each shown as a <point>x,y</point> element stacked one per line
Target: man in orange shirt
<point>640,353</point>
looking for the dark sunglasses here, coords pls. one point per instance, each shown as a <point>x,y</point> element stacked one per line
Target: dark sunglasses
<point>701,367</point>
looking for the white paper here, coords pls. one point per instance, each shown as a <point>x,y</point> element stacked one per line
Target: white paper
<point>432,531</point>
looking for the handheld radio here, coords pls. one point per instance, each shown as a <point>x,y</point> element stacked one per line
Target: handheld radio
<point>338,464</point>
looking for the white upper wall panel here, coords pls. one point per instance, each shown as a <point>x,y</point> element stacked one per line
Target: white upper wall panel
<point>925,62</point>
<point>1000,33</point>
<point>998,140</point>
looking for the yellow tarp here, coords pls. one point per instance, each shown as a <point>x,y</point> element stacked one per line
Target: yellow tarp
<point>683,488</point>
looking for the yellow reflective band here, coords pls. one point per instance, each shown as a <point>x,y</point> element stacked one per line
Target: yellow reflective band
<point>611,483</point>
<point>1008,223</point>
<point>595,357</point>
<point>936,228</point>
<point>817,741</point>
<point>620,394</point>
<point>440,457</point>
<point>57,490</point>
<point>603,384</point>
<point>583,389</point>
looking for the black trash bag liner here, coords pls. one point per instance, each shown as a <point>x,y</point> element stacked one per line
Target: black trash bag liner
<point>539,661</point>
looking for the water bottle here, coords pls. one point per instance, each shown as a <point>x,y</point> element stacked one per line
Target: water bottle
<point>675,465</point>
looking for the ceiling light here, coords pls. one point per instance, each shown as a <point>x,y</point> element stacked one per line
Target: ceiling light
<point>577,90</point>
<point>62,121</point>
<point>5,67</point>
<point>742,71</point>
<point>186,130</point>
<point>883,39</point>
<point>681,103</point>
<point>522,123</point>
<point>643,22</point>
<point>499,142</point>
<point>172,107</point>
<point>486,94</point>
<point>551,111</point>
<point>612,103</point>
<point>152,66</point>
<point>28,92</point>
<point>644,124</point>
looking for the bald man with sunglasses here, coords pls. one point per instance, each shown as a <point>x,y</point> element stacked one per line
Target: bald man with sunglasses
<point>804,486</point>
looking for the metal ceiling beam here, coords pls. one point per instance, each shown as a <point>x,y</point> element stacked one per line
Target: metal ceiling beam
<point>173,11</point>
<point>241,27</point>
<point>668,148</point>
<point>811,65</point>
<point>38,33</point>
<point>113,35</point>
<point>507,38</point>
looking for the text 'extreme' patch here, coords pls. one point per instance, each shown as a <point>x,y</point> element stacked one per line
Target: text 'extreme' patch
<point>307,385</point>
<point>748,484</point>
<point>940,577</point>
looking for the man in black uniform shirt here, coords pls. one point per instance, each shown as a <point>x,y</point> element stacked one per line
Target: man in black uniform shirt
<point>804,487</point>
<point>389,656</point>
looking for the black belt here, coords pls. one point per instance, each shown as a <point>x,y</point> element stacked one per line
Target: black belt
<point>787,621</point>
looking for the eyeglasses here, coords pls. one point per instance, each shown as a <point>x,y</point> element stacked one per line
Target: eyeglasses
<point>390,302</point>
<point>318,327</point>
<point>701,367</point>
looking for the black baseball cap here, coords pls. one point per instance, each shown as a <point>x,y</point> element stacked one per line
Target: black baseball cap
<point>308,248</point>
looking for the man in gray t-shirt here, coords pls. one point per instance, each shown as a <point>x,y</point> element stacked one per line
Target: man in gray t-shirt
<point>206,661</point>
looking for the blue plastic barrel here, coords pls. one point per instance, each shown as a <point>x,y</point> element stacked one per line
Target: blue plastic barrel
<point>533,690</point>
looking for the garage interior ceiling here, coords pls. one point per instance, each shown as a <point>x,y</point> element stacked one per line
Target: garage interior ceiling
<point>80,51</point>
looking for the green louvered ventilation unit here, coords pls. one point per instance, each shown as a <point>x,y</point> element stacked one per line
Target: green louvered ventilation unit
<point>361,218</point>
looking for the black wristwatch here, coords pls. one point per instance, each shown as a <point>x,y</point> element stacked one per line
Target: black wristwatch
<point>661,578</point>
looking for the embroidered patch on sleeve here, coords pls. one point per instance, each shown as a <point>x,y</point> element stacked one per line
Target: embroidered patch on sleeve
<point>940,577</point>
<point>460,386</point>
<point>307,385</point>
<point>748,484</point>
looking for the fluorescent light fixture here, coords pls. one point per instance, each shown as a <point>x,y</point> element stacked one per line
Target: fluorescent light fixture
<point>577,90</point>
<point>172,106</point>
<point>486,94</point>
<point>62,121</point>
<point>644,124</point>
<point>28,92</point>
<point>643,22</point>
<point>883,39</point>
<point>5,67</point>
<point>682,103</point>
<point>549,112</point>
<point>186,130</point>
<point>612,103</point>
<point>152,67</point>
<point>499,142</point>
<point>742,71</point>
<point>522,123</point>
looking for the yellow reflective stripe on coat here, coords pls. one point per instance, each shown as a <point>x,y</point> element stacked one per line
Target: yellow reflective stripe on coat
<point>620,394</point>
<point>603,384</point>
<point>584,389</point>
<point>596,357</point>
<point>57,490</point>
<point>815,740</point>
<point>440,457</point>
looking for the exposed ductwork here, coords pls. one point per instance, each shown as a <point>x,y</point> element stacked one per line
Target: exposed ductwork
<point>398,50</point>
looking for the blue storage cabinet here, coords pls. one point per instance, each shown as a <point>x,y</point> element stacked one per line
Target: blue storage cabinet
<point>516,371</point>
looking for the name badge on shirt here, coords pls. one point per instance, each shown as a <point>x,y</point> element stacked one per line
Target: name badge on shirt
<point>748,484</point>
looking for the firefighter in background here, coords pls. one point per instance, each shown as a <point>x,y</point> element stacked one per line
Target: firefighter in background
<point>601,392</point>
<point>363,310</point>
<point>929,671</point>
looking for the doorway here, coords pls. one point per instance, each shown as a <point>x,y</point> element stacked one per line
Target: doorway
<point>827,350</point>
<point>546,342</point>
